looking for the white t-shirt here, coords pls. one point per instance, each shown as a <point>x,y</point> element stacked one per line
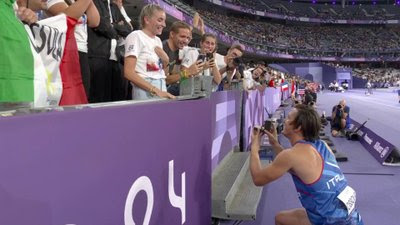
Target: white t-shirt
<point>220,62</point>
<point>140,45</point>
<point>248,81</point>
<point>80,28</point>
<point>191,57</point>
<point>184,51</point>
<point>81,35</point>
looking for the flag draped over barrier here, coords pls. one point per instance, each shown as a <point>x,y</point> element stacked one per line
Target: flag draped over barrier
<point>16,80</point>
<point>53,39</point>
<point>41,63</point>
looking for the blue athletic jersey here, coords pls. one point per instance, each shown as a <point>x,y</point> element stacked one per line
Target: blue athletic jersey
<point>320,198</point>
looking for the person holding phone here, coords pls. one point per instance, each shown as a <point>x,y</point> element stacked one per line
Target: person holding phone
<point>206,55</point>
<point>176,46</point>
<point>323,190</point>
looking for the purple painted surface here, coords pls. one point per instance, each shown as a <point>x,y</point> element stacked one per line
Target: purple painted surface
<point>253,114</point>
<point>226,112</point>
<point>359,82</point>
<point>272,101</point>
<point>373,143</point>
<point>77,167</point>
<point>256,106</point>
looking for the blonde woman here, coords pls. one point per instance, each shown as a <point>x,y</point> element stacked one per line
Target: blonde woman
<point>144,57</point>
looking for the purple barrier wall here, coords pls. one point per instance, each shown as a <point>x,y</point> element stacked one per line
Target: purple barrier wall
<point>108,166</point>
<point>256,106</point>
<point>253,114</point>
<point>226,112</point>
<point>286,92</point>
<point>272,101</point>
<point>373,143</point>
<point>359,82</point>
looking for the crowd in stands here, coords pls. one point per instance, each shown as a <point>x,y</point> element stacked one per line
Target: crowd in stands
<point>326,12</point>
<point>310,40</point>
<point>117,62</point>
<point>111,56</point>
<point>378,77</point>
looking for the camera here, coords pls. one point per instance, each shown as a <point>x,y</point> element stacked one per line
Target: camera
<point>268,125</point>
<point>339,106</point>
<point>237,61</point>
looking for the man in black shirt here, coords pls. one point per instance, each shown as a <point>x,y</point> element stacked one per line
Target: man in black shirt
<point>179,37</point>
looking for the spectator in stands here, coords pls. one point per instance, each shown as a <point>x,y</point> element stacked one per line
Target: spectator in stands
<point>198,23</point>
<point>271,82</point>
<point>227,64</point>
<point>340,118</point>
<point>175,46</point>
<point>25,13</point>
<point>87,15</point>
<point>126,89</point>
<point>107,82</point>
<point>75,10</point>
<point>319,181</point>
<point>90,18</point>
<point>251,78</point>
<point>293,93</point>
<point>34,5</point>
<point>206,54</point>
<point>145,59</point>
<point>309,40</point>
<point>120,5</point>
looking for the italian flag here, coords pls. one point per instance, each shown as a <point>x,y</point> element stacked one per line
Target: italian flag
<point>40,63</point>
